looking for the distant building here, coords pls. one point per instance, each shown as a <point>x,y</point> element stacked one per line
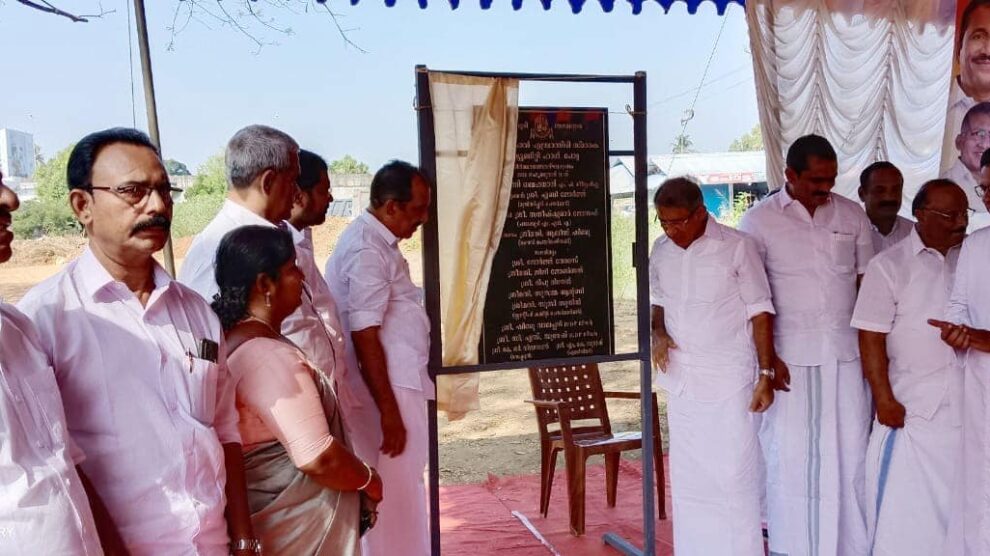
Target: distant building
<point>16,154</point>
<point>721,175</point>
<point>350,194</point>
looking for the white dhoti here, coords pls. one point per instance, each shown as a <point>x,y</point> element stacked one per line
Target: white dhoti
<point>403,516</point>
<point>814,439</point>
<point>715,476</point>
<point>909,476</point>
<point>969,519</point>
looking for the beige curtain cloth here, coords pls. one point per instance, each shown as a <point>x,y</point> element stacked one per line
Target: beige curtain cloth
<point>475,125</point>
<point>871,76</point>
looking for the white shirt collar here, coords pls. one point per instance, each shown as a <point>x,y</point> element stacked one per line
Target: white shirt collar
<point>95,280</point>
<point>374,223</point>
<point>242,215</point>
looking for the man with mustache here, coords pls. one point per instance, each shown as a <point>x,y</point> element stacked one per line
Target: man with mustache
<point>967,327</point>
<point>915,378</point>
<point>814,245</point>
<point>140,363</point>
<point>390,336</point>
<point>37,459</point>
<point>881,185</point>
<point>972,141</point>
<point>972,85</point>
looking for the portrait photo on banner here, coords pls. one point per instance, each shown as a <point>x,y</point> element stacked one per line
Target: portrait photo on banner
<point>967,121</point>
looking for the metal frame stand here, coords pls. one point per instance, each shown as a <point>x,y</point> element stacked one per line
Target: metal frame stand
<point>431,276</point>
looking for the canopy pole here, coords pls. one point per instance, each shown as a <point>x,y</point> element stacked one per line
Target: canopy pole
<point>152,108</point>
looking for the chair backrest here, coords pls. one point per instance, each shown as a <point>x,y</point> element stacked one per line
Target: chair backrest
<point>578,385</point>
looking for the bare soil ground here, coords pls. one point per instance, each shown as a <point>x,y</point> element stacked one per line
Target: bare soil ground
<point>500,438</point>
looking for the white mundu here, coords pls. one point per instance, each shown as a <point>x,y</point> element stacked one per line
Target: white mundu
<point>709,292</point>
<point>969,304</point>
<point>814,437</point>
<point>369,278</point>
<point>909,470</point>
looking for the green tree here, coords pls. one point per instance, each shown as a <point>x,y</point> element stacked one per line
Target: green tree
<point>752,141</point>
<point>49,177</point>
<point>682,144</point>
<point>348,165</point>
<point>211,178</point>
<point>176,168</point>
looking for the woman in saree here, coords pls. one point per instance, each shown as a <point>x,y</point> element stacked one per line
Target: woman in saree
<point>308,493</point>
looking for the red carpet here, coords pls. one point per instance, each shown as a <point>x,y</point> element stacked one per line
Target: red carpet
<point>477,519</point>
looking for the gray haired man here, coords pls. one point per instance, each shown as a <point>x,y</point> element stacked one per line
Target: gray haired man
<point>262,171</point>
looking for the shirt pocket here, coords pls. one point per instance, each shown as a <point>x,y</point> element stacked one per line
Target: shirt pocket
<point>842,250</point>
<point>45,406</point>
<point>201,388</point>
<point>709,283</point>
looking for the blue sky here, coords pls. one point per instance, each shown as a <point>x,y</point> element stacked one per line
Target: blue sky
<point>63,79</point>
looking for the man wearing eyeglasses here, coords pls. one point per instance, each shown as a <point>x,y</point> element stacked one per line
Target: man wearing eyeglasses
<point>712,325</point>
<point>967,328</point>
<point>140,363</point>
<point>814,245</point>
<point>973,139</point>
<point>915,378</point>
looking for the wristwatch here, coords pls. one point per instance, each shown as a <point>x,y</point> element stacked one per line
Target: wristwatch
<point>769,373</point>
<point>254,545</point>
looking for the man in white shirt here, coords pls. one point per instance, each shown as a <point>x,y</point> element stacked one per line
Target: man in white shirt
<point>43,503</point>
<point>971,142</point>
<point>712,323</point>
<point>967,327</point>
<point>390,335</point>
<point>914,377</point>
<point>140,363</point>
<point>814,245</point>
<point>881,186</point>
<point>317,324</point>
<point>262,169</point>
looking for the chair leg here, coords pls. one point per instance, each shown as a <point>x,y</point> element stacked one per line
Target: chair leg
<point>658,465</point>
<point>548,467</point>
<point>611,476</point>
<point>574,460</point>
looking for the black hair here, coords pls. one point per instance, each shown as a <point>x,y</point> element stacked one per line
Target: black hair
<point>977,109</point>
<point>394,181</point>
<point>79,170</point>
<point>921,198</point>
<point>678,193</point>
<point>985,159</point>
<point>864,176</point>
<point>311,166</point>
<point>801,150</point>
<point>244,253</point>
<point>964,21</point>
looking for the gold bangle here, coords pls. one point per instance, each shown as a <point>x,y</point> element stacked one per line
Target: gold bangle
<point>371,476</point>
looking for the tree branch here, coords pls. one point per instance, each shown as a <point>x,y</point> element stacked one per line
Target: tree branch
<point>47,7</point>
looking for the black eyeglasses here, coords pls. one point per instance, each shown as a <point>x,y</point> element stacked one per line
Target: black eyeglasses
<point>138,193</point>
<point>952,216</point>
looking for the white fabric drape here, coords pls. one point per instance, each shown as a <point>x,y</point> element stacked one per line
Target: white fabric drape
<point>872,76</point>
<point>475,125</point>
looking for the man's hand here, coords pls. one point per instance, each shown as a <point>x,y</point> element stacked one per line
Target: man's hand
<point>890,412</point>
<point>662,343</point>
<point>956,335</point>
<point>762,396</point>
<point>393,432</point>
<point>781,375</point>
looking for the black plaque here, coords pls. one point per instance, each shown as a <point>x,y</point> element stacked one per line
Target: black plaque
<point>550,294</point>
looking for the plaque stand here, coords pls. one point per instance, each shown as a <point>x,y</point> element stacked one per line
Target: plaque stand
<point>431,273</point>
